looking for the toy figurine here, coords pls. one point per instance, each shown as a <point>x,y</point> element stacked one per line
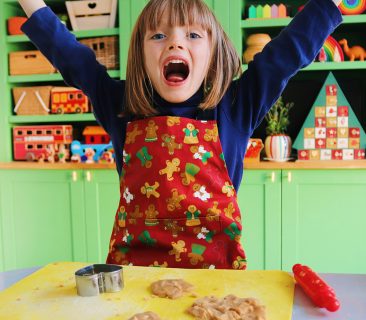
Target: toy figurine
<point>355,52</point>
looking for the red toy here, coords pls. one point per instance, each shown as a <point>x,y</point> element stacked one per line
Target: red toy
<point>40,142</point>
<point>316,288</point>
<point>95,135</point>
<point>68,100</point>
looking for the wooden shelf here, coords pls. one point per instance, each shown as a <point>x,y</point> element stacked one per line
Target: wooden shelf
<point>49,77</point>
<point>300,165</point>
<point>52,166</point>
<point>78,34</point>
<point>282,22</point>
<point>319,66</point>
<point>52,118</point>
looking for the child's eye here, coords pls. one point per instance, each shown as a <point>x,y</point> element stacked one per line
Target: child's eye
<point>193,35</point>
<point>158,36</point>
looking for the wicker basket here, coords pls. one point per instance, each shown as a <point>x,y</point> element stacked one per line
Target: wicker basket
<point>32,100</point>
<point>106,50</point>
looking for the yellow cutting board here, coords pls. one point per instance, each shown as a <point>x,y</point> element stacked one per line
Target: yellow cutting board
<point>50,293</point>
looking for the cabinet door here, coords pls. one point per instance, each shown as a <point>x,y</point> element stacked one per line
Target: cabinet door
<point>260,204</point>
<point>324,220</point>
<point>38,224</point>
<point>101,202</point>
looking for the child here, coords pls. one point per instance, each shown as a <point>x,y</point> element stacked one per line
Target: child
<point>175,119</point>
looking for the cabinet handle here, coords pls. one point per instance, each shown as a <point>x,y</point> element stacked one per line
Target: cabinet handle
<point>289,176</point>
<point>74,176</point>
<point>88,176</point>
<point>273,176</point>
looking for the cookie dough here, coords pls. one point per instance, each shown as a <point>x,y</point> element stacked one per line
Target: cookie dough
<point>145,316</point>
<point>227,308</point>
<point>171,288</point>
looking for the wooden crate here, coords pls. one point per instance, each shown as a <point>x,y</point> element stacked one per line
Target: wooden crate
<point>29,62</point>
<point>106,50</point>
<point>32,100</point>
<point>86,15</point>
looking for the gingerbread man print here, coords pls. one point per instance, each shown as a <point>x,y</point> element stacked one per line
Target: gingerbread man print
<point>150,190</point>
<point>178,249</point>
<point>131,135</point>
<point>190,134</point>
<point>151,129</point>
<point>171,167</point>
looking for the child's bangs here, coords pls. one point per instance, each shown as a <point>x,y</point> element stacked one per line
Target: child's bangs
<point>179,13</point>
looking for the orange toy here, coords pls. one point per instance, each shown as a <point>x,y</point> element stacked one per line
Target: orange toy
<point>355,52</point>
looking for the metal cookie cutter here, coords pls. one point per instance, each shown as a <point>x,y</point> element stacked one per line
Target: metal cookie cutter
<point>98,278</point>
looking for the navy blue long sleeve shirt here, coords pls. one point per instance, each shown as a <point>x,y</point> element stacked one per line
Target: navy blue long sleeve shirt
<point>241,109</point>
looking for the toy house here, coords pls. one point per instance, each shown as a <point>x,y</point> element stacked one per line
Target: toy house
<point>95,135</point>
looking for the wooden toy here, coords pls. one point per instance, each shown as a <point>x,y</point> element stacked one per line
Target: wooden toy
<point>32,100</point>
<point>106,50</point>
<point>29,62</point>
<point>95,135</point>
<point>355,52</point>
<point>40,142</point>
<point>15,24</point>
<point>351,7</point>
<point>255,43</point>
<point>86,15</point>
<point>97,147</point>
<point>331,51</point>
<point>90,153</point>
<point>68,100</point>
<point>267,11</point>
<point>331,131</point>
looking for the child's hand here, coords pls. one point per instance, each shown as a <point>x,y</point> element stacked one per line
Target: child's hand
<point>30,6</point>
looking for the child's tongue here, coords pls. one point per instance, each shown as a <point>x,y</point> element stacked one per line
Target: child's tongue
<point>175,77</point>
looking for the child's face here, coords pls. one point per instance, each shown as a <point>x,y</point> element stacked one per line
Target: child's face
<point>177,59</point>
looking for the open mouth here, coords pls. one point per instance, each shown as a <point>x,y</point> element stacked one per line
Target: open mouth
<point>176,70</point>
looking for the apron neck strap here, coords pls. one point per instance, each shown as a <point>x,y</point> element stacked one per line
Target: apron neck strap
<point>208,114</point>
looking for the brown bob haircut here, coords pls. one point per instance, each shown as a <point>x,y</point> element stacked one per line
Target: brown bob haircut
<point>224,66</point>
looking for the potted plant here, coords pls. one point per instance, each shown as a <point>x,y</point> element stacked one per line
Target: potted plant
<point>278,144</point>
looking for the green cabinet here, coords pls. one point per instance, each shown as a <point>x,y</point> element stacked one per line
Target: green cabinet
<point>324,220</point>
<point>313,217</point>
<point>260,204</point>
<point>55,215</point>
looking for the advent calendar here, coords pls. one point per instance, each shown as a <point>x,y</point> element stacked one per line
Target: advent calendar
<point>331,131</point>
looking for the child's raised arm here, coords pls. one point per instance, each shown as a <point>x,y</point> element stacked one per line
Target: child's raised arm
<point>30,6</point>
<point>268,74</point>
<point>76,62</point>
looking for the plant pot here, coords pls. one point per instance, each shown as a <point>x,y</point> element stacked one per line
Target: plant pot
<point>278,147</point>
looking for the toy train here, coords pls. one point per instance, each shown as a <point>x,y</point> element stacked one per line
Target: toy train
<point>42,143</point>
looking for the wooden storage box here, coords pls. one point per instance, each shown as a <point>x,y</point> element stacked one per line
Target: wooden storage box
<point>86,15</point>
<point>29,62</point>
<point>106,50</point>
<point>32,100</point>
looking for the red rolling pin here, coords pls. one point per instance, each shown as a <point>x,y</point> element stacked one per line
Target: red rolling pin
<point>316,288</point>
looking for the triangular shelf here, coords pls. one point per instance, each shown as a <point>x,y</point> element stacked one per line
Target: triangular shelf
<point>331,130</point>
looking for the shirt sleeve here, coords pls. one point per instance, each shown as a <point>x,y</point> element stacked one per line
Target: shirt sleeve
<point>268,74</point>
<point>76,63</point>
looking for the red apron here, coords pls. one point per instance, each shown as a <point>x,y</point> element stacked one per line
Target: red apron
<point>178,207</point>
